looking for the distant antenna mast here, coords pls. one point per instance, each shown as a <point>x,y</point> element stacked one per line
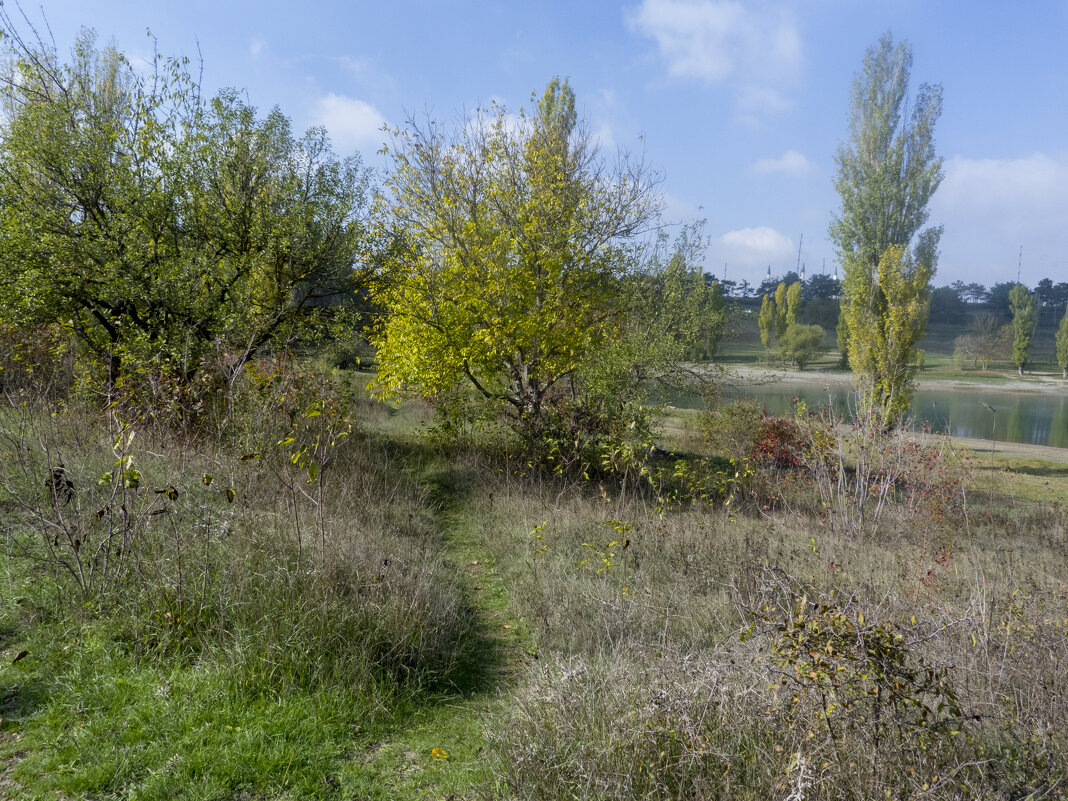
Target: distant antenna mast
<point>1019,265</point>
<point>799,243</point>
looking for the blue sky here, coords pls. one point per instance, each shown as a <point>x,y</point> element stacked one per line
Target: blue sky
<point>739,105</point>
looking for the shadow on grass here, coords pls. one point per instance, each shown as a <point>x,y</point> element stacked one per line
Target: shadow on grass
<point>1044,470</point>
<point>447,481</point>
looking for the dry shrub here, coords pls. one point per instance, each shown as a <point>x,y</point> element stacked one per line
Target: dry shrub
<point>871,481</point>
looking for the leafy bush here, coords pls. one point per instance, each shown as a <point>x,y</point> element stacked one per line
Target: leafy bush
<point>800,344</point>
<point>731,429</point>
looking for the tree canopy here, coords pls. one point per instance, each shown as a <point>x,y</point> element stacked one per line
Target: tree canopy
<point>1022,306</point>
<point>161,228</point>
<point>512,236</point>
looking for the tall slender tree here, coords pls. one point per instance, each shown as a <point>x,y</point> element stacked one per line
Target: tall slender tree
<point>766,321</point>
<point>1062,345</point>
<point>887,174</point>
<point>793,303</point>
<point>1022,306</point>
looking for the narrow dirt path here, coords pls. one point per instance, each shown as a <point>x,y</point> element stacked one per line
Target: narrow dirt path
<point>437,749</point>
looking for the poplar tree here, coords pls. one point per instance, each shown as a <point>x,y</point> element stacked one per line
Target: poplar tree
<point>887,174</point>
<point>1022,306</point>
<point>1062,345</point>
<point>781,310</point>
<point>793,303</point>
<point>766,321</point>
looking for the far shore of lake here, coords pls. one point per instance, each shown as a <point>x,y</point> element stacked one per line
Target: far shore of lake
<point>1046,383</point>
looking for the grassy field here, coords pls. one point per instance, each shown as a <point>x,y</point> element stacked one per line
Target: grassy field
<point>296,611</point>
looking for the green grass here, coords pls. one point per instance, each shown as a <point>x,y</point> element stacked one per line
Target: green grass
<point>464,626</point>
<point>92,720</point>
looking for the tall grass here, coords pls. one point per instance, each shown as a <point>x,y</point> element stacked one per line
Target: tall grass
<point>817,645</point>
<point>855,623</point>
<point>219,618</point>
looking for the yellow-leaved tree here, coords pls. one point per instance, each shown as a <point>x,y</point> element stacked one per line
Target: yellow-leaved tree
<point>890,308</point>
<point>511,239</point>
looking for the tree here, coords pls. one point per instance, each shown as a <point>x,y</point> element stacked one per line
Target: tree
<point>976,293</point>
<point>987,339</point>
<point>766,321</point>
<point>511,238</point>
<point>1062,345</point>
<point>1022,306</point>
<point>947,305</point>
<point>997,298</point>
<point>842,337</point>
<point>801,343</point>
<point>793,303</point>
<point>886,317</point>
<point>886,176</point>
<point>821,287</point>
<point>781,311</point>
<point>168,232</point>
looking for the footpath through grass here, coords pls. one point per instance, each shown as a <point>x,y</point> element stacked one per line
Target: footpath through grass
<point>437,751</point>
<point>228,665</point>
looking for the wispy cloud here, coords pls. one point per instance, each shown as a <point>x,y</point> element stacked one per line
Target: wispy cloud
<point>255,47</point>
<point>791,163</point>
<point>350,122</point>
<point>755,48</point>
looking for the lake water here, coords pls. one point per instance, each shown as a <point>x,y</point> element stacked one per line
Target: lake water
<point>1029,417</point>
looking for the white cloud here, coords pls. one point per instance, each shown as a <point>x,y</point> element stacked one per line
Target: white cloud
<point>350,122</point>
<point>1015,196</point>
<point>761,241</point>
<point>791,163</point>
<point>605,137</point>
<point>990,207</point>
<point>255,47</point>
<point>755,46</point>
<point>749,251</point>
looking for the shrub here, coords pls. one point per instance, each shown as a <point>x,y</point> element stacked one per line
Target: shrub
<point>732,429</point>
<point>800,344</point>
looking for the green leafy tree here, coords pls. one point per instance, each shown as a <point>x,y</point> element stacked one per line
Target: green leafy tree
<point>842,335</point>
<point>782,313</point>
<point>512,237</point>
<point>793,303</point>
<point>802,343</point>
<point>167,232</point>
<point>766,321</point>
<point>987,339</point>
<point>1062,345</point>
<point>1022,306</point>
<point>886,317</point>
<point>886,175</point>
